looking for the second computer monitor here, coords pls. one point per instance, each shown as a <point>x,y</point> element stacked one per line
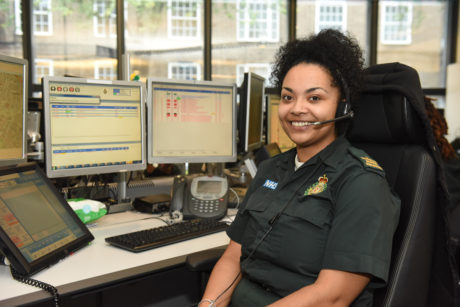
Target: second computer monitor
<point>250,113</point>
<point>275,132</point>
<point>13,104</point>
<point>93,126</point>
<point>191,121</point>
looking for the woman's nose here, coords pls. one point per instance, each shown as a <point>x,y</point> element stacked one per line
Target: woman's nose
<point>299,106</point>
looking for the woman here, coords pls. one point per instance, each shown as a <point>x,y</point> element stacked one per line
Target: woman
<point>316,226</point>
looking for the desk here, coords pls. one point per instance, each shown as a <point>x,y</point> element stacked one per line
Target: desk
<point>100,267</point>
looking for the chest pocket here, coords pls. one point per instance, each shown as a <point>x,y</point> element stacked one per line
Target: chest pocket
<point>315,209</point>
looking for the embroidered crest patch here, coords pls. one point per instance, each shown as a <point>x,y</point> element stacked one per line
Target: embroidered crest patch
<point>372,163</point>
<point>318,187</point>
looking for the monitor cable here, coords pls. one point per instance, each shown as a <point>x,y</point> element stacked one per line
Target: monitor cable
<point>36,283</point>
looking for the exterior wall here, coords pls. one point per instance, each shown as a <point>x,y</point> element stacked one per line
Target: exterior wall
<point>74,49</point>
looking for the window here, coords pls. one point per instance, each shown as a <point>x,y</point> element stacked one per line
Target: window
<point>185,71</point>
<point>104,21</point>
<point>43,17</point>
<point>262,69</point>
<point>184,19</point>
<point>331,14</point>
<point>43,67</point>
<point>17,17</point>
<point>396,23</point>
<point>105,70</point>
<point>258,20</point>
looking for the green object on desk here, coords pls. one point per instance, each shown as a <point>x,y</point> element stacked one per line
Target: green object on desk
<point>87,210</point>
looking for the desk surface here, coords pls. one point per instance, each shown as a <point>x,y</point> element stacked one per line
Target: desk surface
<point>101,263</point>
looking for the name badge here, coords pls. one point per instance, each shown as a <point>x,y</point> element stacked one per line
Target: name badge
<point>269,184</point>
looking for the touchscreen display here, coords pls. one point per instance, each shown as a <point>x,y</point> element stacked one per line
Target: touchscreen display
<point>35,219</point>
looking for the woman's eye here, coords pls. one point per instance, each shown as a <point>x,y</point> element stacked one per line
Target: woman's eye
<point>286,98</point>
<point>314,98</point>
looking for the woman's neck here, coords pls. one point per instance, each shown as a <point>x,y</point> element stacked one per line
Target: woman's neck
<point>305,153</point>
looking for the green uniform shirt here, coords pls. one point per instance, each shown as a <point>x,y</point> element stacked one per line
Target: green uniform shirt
<point>335,212</point>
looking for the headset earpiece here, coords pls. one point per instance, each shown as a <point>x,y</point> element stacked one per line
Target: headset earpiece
<point>343,109</point>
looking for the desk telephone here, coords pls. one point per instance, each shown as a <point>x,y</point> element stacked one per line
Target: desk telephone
<point>200,197</point>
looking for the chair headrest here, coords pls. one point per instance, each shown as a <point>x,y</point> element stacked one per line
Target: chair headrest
<point>385,111</point>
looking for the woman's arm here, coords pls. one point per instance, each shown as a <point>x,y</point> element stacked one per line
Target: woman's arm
<point>332,288</point>
<point>224,273</point>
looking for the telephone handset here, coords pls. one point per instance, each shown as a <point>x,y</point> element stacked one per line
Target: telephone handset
<point>200,197</point>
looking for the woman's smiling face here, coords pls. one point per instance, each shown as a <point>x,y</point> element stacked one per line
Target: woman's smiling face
<point>308,95</point>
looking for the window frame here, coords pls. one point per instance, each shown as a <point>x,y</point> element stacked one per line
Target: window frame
<point>384,23</point>
<point>48,13</point>
<point>98,17</point>
<point>243,33</point>
<point>186,65</point>
<point>110,65</point>
<point>320,4</point>
<point>37,66</point>
<point>253,67</point>
<point>194,19</point>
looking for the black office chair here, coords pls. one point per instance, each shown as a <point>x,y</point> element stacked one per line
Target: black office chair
<point>388,127</point>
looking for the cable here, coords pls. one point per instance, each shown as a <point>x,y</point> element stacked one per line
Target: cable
<point>36,283</point>
<point>237,198</point>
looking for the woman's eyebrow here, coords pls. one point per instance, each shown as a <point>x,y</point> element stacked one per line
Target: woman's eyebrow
<point>312,89</point>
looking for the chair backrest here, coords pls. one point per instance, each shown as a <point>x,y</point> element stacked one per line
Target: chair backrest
<point>387,127</point>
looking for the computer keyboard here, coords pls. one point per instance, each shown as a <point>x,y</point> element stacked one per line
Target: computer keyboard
<point>139,241</point>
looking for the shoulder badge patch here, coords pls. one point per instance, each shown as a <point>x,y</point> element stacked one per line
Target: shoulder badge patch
<point>318,187</point>
<point>372,163</point>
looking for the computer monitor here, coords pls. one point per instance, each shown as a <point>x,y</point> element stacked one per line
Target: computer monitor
<point>93,126</point>
<point>275,133</point>
<point>250,113</point>
<point>13,105</point>
<point>37,226</point>
<point>191,121</point>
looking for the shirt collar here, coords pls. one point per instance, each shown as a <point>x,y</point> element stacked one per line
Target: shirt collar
<point>331,155</point>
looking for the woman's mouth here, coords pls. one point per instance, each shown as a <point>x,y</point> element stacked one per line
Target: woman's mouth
<point>300,124</point>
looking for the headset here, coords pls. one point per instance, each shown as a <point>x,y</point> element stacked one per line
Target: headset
<point>344,110</point>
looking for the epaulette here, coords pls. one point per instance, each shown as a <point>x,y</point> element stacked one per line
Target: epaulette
<point>367,162</point>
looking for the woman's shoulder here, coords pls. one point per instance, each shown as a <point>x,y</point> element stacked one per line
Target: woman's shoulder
<point>360,160</point>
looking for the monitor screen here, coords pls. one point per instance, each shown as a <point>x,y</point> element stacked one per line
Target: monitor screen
<point>250,113</point>
<point>191,121</point>
<point>13,103</point>
<point>275,133</point>
<point>93,126</point>
<point>37,226</point>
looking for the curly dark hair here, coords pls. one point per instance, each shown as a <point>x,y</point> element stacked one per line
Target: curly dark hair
<point>439,125</point>
<point>339,54</point>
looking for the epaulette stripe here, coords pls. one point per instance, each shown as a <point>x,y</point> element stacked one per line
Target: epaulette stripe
<point>372,163</point>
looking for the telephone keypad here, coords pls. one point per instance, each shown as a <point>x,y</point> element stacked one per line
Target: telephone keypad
<point>206,206</point>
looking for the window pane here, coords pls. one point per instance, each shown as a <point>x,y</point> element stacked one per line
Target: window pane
<point>413,33</point>
<point>345,15</point>
<point>159,34</point>
<point>11,28</point>
<point>74,38</point>
<point>245,37</point>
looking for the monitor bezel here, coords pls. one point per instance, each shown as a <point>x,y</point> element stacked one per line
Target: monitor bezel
<point>181,159</point>
<point>14,255</point>
<point>245,106</point>
<point>90,170</point>
<point>25,95</point>
<point>271,98</point>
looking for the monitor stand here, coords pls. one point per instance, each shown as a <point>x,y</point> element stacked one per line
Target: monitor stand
<point>123,202</point>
